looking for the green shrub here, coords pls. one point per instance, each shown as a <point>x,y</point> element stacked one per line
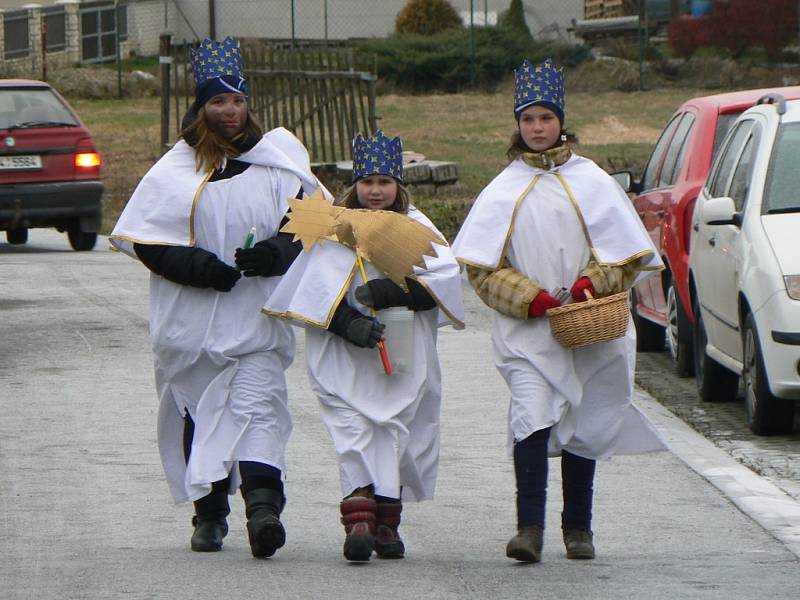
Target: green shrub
<point>427,17</point>
<point>442,62</point>
<point>513,21</point>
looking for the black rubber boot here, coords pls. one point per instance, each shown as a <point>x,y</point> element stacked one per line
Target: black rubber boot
<point>263,507</point>
<point>209,521</point>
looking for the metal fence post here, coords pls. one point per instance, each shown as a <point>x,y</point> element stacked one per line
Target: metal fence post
<point>164,59</point>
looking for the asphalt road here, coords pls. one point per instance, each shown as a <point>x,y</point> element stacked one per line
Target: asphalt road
<point>85,512</point>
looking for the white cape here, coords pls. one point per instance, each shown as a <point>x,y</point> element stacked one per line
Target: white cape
<point>216,357</point>
<point>548,225</point>
<point>161,209</point>
<point>385,428</point>
<point>603,208</point>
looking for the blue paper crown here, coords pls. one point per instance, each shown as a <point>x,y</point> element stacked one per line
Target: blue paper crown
<point>377,155</point>
<point>218,69</point>
<point>542,84</point>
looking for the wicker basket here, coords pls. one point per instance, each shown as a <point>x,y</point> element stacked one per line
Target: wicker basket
<point>595,320</point>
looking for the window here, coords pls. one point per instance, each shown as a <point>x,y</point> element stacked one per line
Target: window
<point>721,173</point>
<point>99,30</point>
<point>724,123</point>
<point>783,176</point>
<point>651,170</point>
<point>740,184</point>
<point>674,156</point>
<point>16,43</point>
<point>55,22</point>
<point>30,105</point>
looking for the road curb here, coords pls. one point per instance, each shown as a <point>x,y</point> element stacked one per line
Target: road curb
<point>765,503</point>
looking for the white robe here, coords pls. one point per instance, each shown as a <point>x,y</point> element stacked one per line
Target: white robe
<point>216,357</point>
<point>583,394</point>
<point>385,428</point>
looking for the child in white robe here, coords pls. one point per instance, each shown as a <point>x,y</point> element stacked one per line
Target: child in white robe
<point>385,428</point>
<point>219,365</point>
<point>547,229</point>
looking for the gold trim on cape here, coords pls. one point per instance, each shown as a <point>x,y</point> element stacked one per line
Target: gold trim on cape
<point>592,249</point>
<point>290,315</point>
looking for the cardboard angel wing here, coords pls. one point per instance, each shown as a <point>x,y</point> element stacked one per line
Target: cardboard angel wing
<point>392,242</point>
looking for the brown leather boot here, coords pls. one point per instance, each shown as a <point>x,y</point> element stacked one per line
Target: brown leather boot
<point>388,543</point>
<point>579,544</point>
<point>526,546</point>
<point>358,518</point>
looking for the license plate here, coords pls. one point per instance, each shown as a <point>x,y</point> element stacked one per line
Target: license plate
<point>20,163</point>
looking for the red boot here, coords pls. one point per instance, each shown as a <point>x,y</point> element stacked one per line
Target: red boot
<point>388,543</point>
<point>358,518</point>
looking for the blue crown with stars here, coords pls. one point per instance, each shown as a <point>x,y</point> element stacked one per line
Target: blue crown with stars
<point>218,69</point>
<point>542,84</point>
<point>377,155</point>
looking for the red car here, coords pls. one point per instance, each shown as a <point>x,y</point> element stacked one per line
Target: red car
<point>664,198</point>
<point>49,166</point>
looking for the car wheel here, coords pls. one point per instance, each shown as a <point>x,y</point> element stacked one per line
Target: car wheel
<point>649,335</point>
<point>766,414</point>
<point>81,240</point>
<point>679,334</point>
<point>17,236</point>
<point>715,383</point>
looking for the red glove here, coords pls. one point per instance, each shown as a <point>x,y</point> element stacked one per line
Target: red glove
<point>541,304</point>
<point>577,289</point>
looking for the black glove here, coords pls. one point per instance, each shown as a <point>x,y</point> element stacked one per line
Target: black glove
<point>365,332</point>
<point>383,293</point>
<point>221,277</point>
<point>256,260</point>
<point>356,328</point>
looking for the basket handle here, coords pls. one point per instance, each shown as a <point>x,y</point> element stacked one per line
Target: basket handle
<point>588,294</point>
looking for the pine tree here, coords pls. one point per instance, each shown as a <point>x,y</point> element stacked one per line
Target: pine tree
<point>513,21</point>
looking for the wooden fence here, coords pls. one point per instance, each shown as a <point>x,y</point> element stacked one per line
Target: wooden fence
<point>316,93</point>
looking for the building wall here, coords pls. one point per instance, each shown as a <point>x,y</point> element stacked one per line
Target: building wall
<point>353,18</point>
<point>146,22</point>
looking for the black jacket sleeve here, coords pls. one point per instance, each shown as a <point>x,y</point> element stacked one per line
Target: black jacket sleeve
<point>179,264</point>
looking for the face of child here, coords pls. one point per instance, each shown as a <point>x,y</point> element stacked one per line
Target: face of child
<point>226,114</point>
<point>377,192</point>
<point>539,128</point>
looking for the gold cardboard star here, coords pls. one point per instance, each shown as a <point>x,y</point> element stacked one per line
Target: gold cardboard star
<point>312,220</point>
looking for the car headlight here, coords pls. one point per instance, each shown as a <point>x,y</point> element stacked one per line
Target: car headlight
<point>792,286</point>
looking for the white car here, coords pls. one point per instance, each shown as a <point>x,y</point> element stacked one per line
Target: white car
<point>744,267</point>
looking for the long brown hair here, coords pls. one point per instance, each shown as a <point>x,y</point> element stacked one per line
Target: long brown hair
<point>210,148</point>
<point>401,201</point>
<point>518,145</point>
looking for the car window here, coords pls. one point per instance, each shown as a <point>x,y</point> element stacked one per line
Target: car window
<point>724,123</point>
<point>783,175</point>
<point>651,170</point>
<point>740,183</point>
<point>675,151</point>
<point>721,173</point>
<point>21,107</point>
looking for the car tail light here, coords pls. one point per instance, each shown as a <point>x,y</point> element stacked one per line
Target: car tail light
<point>86,155</point>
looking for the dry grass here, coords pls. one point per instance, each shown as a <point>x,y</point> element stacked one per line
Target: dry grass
<point>617,129</point>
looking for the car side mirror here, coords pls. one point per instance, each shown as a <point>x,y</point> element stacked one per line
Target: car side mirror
<point>625,180</point>
<point>720,211</point>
